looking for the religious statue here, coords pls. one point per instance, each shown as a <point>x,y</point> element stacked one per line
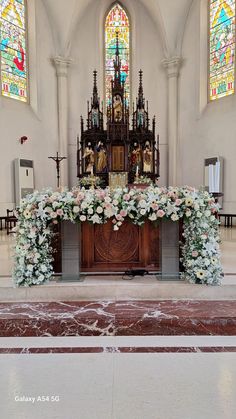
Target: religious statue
<point>89,158</point>
<point>147,158</point>
<point>95,117</point>
<point>101,164</point>
<point>140,118</point>
<point>136,159</point>
<point>117,108</point>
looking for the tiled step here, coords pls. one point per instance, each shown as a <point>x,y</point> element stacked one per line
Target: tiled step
<point>120,318</point>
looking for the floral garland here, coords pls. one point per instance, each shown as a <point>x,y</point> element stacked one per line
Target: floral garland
<point>200,250</point>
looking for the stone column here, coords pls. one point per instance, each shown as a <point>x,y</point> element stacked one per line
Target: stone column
<point>62,64</point>
<point>172,66</point>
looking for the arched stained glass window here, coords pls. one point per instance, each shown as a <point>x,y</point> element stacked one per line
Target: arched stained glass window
<point>13,49</point>
<point>222,48</point>
<point>117,21</point>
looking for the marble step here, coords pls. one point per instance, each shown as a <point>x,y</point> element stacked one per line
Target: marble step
<point>118,318</point>
<point>113,287</point>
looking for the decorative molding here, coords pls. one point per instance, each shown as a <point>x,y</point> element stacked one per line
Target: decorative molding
<point>172,65</point>
<point>62,64</point>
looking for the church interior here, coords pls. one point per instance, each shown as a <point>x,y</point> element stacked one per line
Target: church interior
<point>117,209</point>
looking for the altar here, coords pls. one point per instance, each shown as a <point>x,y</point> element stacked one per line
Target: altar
<point>155,214</point>
<point>117,218</point>
<point>99,249</point>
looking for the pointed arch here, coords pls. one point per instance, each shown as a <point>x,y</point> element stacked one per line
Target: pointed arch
<point>13,64</point>
<point>117,20</point>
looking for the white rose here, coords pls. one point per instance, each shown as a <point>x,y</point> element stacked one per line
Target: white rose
<point>99,210</point>
<point>142,203</point>
<point>76,209</point>
<point>82,218</point>
<point>152,217</point>
<point>43,268</point>
<point>143,211</point>
<point>90,211</point>
<point>174,217</point>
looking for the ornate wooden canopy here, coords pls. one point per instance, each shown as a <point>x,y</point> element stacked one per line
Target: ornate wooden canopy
<point>118,148</point>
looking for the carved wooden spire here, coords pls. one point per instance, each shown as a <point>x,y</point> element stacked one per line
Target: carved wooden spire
<point>95,100</point>
<point>141,101</point>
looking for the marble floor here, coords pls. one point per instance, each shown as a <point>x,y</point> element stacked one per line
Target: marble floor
<point>134,376</point>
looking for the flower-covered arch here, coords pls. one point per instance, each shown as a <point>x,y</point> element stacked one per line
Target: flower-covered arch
<point>200,247</point>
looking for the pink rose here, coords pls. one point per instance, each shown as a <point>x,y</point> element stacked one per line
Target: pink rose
<point>80,196</point>
<point>154,206</point>
<point>60,212</point>
<point>123,213</point>
<point>160,213</point>
<point>194,253</point>
<point>177,202</point>
<point>126,197</point>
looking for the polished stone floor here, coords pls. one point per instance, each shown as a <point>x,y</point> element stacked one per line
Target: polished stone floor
<point>120,377</point>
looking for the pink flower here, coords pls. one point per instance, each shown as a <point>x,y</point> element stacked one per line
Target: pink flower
<point>194,253</point>
<point>154,206</point>
<point>126,197</point>
<point>160,213</point>
<point>118,217</point>
<point>108,205</point>
<point>80,196</point>
<point>123,213</point>
<point>60,212</point>
<point>177,202</point>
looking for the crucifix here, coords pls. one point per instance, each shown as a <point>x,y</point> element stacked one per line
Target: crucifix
<point>58,160</point>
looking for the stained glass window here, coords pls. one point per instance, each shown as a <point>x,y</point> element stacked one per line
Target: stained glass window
<point>222,48</point>
<point>13,49</point>
<point>117,21</point>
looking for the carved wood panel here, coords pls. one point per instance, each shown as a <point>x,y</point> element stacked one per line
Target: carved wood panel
<point>105,250</point>
<point>118,159</point>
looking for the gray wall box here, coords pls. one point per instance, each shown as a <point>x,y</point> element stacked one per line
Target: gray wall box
<point>169,250</point>
<point>24,178</point>
<point>70,236</point>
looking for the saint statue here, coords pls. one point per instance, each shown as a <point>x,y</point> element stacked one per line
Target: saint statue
<point>117,103</point>
<point>101,165</point>
<point>95,118</point>
<point>136,159</point>
<point>89,158</point>
<point>140,118</point>
<point>147,158</point>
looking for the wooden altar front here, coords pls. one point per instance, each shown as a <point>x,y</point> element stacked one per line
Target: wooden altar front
<point>93,248</point>
<point>106,250</point>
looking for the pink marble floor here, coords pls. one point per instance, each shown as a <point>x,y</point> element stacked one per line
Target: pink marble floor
<point>120,318</point>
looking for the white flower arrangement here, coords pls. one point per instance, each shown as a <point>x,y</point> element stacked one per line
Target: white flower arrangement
<point>200,247</point>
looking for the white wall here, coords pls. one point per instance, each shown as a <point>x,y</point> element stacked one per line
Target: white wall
<point>205,129</point>
<point>38,123</point>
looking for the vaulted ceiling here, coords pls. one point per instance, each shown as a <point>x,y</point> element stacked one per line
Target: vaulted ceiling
<point>169,15</point>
